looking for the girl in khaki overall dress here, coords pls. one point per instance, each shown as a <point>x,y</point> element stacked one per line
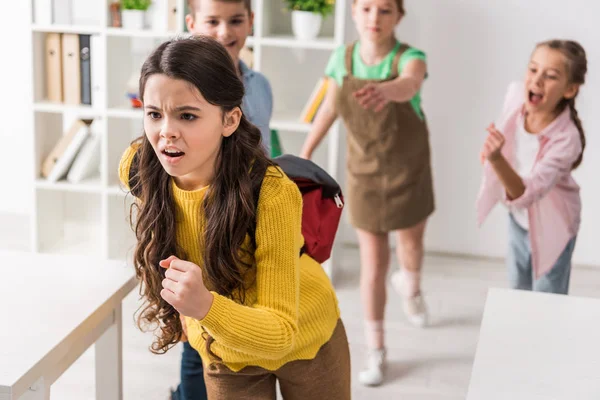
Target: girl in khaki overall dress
<point>375,87</point>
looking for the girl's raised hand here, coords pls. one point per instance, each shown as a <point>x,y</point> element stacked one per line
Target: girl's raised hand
<point>184,289</point>
<point>492,147</point>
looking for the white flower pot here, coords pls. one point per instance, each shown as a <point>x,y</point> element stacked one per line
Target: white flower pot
<point>133,19</point>
<point>306,25</point>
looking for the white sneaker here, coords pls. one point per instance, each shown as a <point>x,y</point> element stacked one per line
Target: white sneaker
<point>372,375</point>
<point>414,307</point>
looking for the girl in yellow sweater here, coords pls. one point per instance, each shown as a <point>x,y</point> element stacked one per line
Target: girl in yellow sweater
<point>254,308</point>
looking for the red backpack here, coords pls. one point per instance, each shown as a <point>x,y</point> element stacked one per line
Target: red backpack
<point>322,204</point>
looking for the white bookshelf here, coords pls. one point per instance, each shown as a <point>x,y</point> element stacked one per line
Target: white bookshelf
<point>91,217</point>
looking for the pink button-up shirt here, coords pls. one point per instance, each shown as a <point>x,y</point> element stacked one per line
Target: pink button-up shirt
<point>551,194</point>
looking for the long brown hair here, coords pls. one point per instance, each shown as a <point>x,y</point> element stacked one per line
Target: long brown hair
<point>576,69</point>
<point>239,169</point>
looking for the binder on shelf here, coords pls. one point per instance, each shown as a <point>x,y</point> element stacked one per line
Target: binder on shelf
<point>98,76</point>
<point>62,12</point>
<point>172,18</point>
<point>42,10</point>
<point>85,69</point>
<point>315,100</point>
<point>71,69</point>
<point>58,162</point>
<point>54,73</point>
<point>87,161</point>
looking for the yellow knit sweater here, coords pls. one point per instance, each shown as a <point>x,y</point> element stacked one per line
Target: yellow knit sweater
<point>290,309</point>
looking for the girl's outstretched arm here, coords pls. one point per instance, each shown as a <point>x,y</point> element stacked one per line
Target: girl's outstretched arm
<point>325,117</point>
<point>376,95</point>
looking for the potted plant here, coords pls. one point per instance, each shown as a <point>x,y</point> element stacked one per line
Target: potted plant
<point>307,16</point>
<point>133,13</point>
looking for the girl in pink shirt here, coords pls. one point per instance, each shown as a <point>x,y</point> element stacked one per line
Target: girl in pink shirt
<point>528,161</point>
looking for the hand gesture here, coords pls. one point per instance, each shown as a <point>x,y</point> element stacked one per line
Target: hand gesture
<point>184,289</point>
<point>492,148</point>
<point>373,96</point>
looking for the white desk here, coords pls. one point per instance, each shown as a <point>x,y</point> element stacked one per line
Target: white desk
<point>535,346</point>
<point>54,307</point>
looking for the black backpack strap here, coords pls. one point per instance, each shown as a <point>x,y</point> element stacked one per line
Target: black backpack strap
<point>296,167</point>
<point>256,197</point>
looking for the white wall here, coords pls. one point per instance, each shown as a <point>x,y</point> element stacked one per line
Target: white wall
<point>475,48</point>
<point>15,126</point>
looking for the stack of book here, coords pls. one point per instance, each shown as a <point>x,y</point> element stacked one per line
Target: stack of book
<point>69,68</point>
<point>76,156</point>
<point>315,101</point>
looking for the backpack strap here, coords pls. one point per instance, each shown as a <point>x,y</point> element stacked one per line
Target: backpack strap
<point>297,168</point>
<point>396,60</point>
<point>348,58</point>
<point>256,197</point>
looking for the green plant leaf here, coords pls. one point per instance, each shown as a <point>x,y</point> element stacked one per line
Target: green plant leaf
<point>135,4</point>
<point>323,7</point>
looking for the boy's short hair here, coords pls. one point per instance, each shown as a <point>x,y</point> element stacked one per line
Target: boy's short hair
<point>400,5</point>
<point>247,3</point>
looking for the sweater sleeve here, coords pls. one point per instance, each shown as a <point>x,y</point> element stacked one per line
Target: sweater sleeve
<point>267,328</point>
<point>125,165</point>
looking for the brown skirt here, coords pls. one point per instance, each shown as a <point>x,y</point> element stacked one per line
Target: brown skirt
<point>385,203</point>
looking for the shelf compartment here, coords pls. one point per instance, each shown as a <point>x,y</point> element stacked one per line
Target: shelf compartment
<point>69,223</point>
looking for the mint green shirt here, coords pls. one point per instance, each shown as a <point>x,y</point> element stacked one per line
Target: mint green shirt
<point>336,68</point>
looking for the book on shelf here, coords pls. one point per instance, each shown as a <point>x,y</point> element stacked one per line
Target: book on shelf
<point>54,77</point>
<point>97,80</point>
<point>74,69</point>
<point>87,161</point>
<point>61,157</point>
<point>172,19</point>
<point>85,69</point>
<point>315,101</point>
<point>71,68</point>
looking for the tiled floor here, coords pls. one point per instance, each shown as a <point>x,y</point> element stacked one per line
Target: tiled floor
<point>430,364</point>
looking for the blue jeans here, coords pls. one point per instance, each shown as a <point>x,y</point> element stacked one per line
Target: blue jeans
<point>192,386</point>
<point>520,271</point>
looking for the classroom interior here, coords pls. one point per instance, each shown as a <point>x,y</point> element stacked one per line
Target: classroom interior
<point>474,50</point>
